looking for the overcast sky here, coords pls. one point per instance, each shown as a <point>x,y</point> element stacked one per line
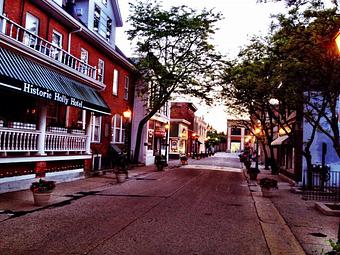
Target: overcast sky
<point>242,19</point>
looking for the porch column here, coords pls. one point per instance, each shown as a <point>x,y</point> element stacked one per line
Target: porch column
<point>42,128</point>
<point>88,129</point>
<point>242,138</point>
<point>228,139</point>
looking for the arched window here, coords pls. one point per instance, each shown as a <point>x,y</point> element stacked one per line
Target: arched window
<point>118,131</point>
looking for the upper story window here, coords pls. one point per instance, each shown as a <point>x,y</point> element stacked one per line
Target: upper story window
<point>57,40</point>
<point>115,82</point>
<point>32,25</point>
<point>126,88</point>
<point>104,2</point>
<point>101,68</point>
<point>84,57</point>
<point>96,128</point>
<point>235,131</point>
<point>102,23</point>
<point>118,132</point>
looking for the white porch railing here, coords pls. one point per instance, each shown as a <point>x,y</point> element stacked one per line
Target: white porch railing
<point>65,142</point>
<point>19,140</point>
<point>16,140</point>
<point>25,37</point>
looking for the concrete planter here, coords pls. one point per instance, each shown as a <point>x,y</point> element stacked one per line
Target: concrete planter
<point>120,177</point>
<point>41,198</point>
<point>268,192</point>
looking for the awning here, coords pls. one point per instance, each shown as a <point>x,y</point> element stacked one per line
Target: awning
<point>280,140</point>
<point>23,74</point>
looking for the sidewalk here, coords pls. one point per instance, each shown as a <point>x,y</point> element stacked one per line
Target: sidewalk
<point>21,202</point>
<point>299,223</point>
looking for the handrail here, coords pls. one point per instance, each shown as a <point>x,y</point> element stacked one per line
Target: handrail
<point>15,31</point>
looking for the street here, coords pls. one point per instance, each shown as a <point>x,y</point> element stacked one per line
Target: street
<point>179,211</point>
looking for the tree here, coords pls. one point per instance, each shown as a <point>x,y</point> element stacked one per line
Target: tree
<point>174,54</point>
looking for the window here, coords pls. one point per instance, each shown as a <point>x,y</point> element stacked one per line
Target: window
<point>84,57</point>
<point>235,131</point>
<point>101,66</point>
<point>104,2</point>
<point>96,18</point>
<point>126,88</point>
<point>96,128</point>
<point>118,132</point>
<point>81,118</point>
<point>102,23</point>
<point>32,25</point>
<point>57,40</point>
<point>115,82</point>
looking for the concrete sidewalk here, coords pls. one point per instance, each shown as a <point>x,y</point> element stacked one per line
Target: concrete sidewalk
<point>19,202</point>
<point>302,228</point>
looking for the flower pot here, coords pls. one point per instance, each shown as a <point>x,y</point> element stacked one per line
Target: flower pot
<point>268,192</point>
<point>120,177</point>
<point>184,161</point>
<point>41,198</point>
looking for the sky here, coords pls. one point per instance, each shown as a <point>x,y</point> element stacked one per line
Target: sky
<point>242,19</point>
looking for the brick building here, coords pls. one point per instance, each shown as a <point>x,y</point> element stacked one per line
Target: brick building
<point>64,86</point>
<point>182,119</point>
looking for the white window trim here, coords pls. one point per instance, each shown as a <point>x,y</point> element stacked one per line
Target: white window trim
<point>126,87</point>
<point>115,82</point>
<point>61,38</point>
<point>103,70</point>
<point>114,128</point>
<point>87,55</point>
<point>93,129</point>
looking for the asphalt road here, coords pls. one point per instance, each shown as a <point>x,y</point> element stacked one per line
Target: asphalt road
<point>178,211</point>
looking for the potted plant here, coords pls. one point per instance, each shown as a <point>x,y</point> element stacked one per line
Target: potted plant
<point>184,159</point>
<point>268,186</point>
<point>121,169</point>
<point>160,162</point>
<point>42,190</point>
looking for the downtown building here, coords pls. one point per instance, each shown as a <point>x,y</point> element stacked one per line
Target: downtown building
<point>64,86</point>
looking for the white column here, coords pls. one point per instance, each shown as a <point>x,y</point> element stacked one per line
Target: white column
<point>242,138</point>
<point>229,137</point>
<point>88,133</point>
<point>42,128</point>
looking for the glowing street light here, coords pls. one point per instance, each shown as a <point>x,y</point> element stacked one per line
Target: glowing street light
<point>337,41</point>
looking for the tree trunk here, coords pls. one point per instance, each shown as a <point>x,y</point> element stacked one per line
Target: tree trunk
<point>273,164</point>
<point>139,139</point>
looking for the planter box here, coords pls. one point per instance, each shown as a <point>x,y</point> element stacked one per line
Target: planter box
<point>41,198</point>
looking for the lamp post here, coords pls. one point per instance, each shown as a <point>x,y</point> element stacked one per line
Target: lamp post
<point>167,128</point>
<point>257,133</point>
<point>127,116</point>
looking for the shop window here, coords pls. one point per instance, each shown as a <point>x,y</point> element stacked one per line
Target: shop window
<point>118,131</point>
<point>126,88</point>
<point>101,68</point>
<point>56,115</point>
<point>115,82</point>
<point>96,128</point>
<point>32,25</point>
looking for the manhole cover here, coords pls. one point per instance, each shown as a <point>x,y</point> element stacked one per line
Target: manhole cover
<point>318,234</point>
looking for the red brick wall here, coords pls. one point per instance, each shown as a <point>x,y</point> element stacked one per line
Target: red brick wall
<point>16,10</point>
<point>183,111</point>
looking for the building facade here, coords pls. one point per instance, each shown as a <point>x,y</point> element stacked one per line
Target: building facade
<point>200,130</point>
<point>63,90</point>
<point>182,141</point>
<point>237,136</point>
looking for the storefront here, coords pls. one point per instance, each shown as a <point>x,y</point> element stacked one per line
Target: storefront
<point>178,139</point>
<point>45,118</point>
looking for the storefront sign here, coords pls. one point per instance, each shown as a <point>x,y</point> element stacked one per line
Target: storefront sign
<point>49,94</point>
<point>160,132</point>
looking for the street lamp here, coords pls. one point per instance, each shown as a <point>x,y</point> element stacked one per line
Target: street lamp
<point>257,133</point>
<point>337,41</point>
<point>127,116</point>
<point>167,128</point>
